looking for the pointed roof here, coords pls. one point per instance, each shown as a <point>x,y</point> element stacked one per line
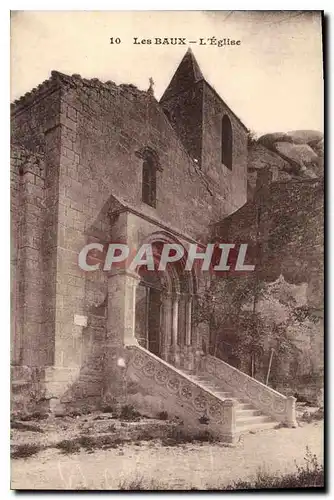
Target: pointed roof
<point>187,73</point>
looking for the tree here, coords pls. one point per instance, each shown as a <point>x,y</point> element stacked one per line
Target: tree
<point>229,307</point>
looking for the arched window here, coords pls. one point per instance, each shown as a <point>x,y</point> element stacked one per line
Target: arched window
<point>150,166</point>
<point>226,142</point>
<point>149,186</point>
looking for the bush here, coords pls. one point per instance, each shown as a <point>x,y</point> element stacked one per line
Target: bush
<point>312,416</point>
<point>129,413</point>
<point>162,415</point>
<point>149,434</point>
<point>311,475</point>
<point>139,484</point>
<point>204,420</point>
<point>108,409</point>
<point>88,443</point>
<point>34,416</point>
<point>25,427</point>
<point>178,435</point>
<point>68,446</point>
<point>25,450</point>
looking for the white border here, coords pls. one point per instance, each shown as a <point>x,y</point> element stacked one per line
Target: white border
<point>4,171</point>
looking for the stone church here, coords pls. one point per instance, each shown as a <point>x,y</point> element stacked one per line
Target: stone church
<point>97,162</point>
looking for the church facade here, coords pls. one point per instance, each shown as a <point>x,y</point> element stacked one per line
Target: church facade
<point>94,162</point>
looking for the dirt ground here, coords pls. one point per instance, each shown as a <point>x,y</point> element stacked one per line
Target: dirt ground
<point>197,465</point>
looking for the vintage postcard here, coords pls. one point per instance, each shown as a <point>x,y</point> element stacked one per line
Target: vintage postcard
<point>167,193</point>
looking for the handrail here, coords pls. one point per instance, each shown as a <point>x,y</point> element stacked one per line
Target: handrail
<point>184,396</point>
<point>271,402</point>
<point>172,368</point>
<point>247,376</point>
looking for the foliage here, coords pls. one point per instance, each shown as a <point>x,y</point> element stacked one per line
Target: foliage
<point>177,436</point>
<point>233,309</point>
<point>308,475</point>
<point>303,312</point>
<point>25,427</point>
<point>252,138</point>
<point>25,450</point>
<point>314,416</point>
<point>129,413</point>
<point>204,420</point>
<point>163,415</point>
<point>34,416</point>
<point>88,443</point>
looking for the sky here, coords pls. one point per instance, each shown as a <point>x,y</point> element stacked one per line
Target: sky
<point>272,80</point>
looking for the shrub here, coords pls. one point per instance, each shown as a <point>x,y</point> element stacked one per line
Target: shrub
<point>109,409</point>
<point>178,436</point>
<point>68,446</point>
<point>139,484</point>
<point>34,416</point>
<point>88,443</point>
<point>129,413</point>
<point>204,420</point>
<point>312,416</point>
<point>308,476</point>
<point>205,437</point>
<point>25,427</point>
<point>25,450</point>
<point>148,435</point>
<point>162,415</point>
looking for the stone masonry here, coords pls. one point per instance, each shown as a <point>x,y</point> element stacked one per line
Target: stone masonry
<point>77,159</point>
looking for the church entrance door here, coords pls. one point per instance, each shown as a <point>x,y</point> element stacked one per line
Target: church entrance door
<point>153,323</point>
<point>148,313</point>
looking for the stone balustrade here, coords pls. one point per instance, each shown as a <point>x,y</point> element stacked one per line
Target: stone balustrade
<point>266,399</point>
<point>181,396</point>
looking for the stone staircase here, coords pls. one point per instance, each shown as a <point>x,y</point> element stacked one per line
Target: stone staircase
<point>230,401</point>
<point>248,417</point>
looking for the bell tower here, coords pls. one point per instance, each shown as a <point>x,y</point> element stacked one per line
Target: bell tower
<point>209,130</point>
<point>182,104</point>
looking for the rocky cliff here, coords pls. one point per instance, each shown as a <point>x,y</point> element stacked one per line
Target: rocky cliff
<point>298,154</point>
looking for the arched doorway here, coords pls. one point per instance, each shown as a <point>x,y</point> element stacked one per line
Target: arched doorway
<point>163,313</point>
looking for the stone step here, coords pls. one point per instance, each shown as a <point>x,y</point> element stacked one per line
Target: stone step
<point>224,395</point>
<point>210,384</point>
<point>252,420</point>
<point>247,413</point>
<point>219,392</point>
<point>201,380</point>
<point>248,418</point>
<point>257,426</point>
<point>244,406</point>
<point>190,373</point>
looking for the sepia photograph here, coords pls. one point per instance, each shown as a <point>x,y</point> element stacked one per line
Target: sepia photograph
<point>167,250</point>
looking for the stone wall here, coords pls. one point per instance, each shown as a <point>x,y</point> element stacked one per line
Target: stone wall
<point>232,184</point>
<point>35,124</point>
<point>283,227</point>
<point>178,109</point>
<point>29,343</point>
